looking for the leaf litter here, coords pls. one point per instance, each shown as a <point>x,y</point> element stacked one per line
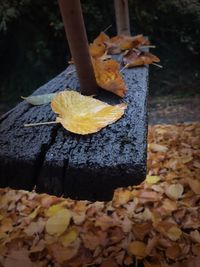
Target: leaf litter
<point>155,223</point>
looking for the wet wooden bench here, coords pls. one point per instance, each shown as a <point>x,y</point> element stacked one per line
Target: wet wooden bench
<point>62,163</point>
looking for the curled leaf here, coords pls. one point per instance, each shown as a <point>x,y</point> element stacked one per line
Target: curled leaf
<point>120,43</point>
<point>83,114</point>
<point>98,47</point>
<point>108,76</point>
<point>37,100</point>
<point>136,57</point>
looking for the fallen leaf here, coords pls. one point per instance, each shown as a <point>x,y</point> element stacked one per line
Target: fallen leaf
<point>174,233</point>
<point>35,227</point>
<point>98,47</point>
<point>120,43</point>
<point>37,100</point>
<point>173,252</point>
<point>157,148</point>
<point>137,249</point>
<point>58,223</point>
<point>83,114</point>
<point>194,185</point>
<point>18,259</point>
<point>174,191</point>
<point>135,57</point>
<point>108,76</point>
<point>69,237</point>
<point>109,263</point>
<point>152,179</point>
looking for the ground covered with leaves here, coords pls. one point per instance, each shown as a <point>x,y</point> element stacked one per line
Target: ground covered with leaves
<point>156,223</point>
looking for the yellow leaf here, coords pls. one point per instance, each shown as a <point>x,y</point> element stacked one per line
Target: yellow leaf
<point>34,213</point>
<point>58,223</point>
<point>174,191</point>
<point>83,114</point>
<point>174,233</point>
<point>54,209</point>
<point>108,76</point>
<point>69,237</point>
<point>151,179</point>
<point>137,249</point>
<point>157,148</point>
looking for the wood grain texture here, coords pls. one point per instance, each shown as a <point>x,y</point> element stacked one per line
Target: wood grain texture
<point>62,163</point>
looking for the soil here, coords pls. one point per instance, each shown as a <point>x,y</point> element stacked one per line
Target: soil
<point>172,110</point>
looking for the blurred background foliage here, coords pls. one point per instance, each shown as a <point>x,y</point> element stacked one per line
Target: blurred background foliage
<point>33,48</point>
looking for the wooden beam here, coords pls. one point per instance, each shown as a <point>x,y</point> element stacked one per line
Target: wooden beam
<point>122,17</point>
<point>77,39</point>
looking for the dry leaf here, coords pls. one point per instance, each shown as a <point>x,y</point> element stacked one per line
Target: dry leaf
<point>194,185</point>
<point>157,148</point>
<point>137,249</point>
<point>134,58</point>
<point>69,237</point>
<point>108,76</point>
<point>37,100</point>
<point>174,191</point>
<point>98,47</point>
<point>120,43</point>
<point>18,259</point>
<point>174,233</point>
<point>83,114</point>
<point>173,252</point>
<point>58,223</point>
<point>152,179</point>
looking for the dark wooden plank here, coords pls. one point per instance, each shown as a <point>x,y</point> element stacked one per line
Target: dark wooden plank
<point>62,163</point>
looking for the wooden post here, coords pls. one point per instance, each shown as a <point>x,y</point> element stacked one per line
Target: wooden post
<point>77,39</point>
<point>122,17</point>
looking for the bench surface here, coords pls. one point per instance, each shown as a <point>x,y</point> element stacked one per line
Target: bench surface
<point>62,163</point>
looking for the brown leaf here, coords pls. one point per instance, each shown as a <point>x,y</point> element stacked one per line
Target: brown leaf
<point>137,249</point>
<point>134,58</point>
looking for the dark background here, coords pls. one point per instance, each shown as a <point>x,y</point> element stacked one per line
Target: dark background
<point>33,48</point>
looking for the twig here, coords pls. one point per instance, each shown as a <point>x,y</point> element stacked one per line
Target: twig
<point>125,67</point>
<point>39,123</point>
<point>70,72</point>
<point>107,28</point>
<point>147,46</point>
<point>157,65</point>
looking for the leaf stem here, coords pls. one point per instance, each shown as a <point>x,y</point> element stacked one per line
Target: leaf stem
<point>147,46</point>
<point>39,123</point>
<point>157,65</point>
<point>107,28</point>
<point>70,72</point>
<point>126,66</point>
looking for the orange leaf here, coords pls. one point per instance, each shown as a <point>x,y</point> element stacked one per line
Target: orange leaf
<point>137,249</point>
<point>108,76</point>
<point>98,48</point>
